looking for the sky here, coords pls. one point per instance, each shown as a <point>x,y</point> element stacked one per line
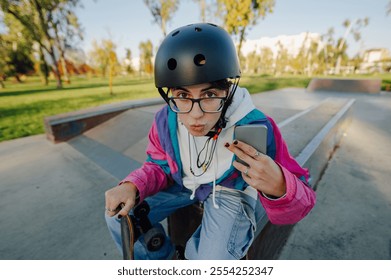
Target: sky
<point>129,22</point>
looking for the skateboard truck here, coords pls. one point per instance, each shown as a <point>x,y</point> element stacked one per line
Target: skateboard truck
<point>136,224</point>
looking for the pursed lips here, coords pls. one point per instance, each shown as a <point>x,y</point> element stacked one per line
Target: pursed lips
<point>197,127</point>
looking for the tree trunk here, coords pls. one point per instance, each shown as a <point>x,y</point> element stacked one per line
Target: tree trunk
<point>64,69</point>
<point>111,73</point>
<point>164,28</point>
<point>55,69</point>
<point>338,64</point>
<point>241,39</point>
<point>43,68</point>
<point>17,78</point>
<point>62,55</point>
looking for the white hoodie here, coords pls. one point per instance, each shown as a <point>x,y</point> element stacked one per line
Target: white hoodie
<point>241,105</point>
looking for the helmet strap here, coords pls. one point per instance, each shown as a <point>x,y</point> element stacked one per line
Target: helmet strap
<point>164,94</point>
<point>222,122</point>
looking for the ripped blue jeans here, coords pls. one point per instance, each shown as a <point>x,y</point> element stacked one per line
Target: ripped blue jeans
<point>225,233</point>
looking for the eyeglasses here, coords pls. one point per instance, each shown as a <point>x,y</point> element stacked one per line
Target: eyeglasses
<point>207,105</point>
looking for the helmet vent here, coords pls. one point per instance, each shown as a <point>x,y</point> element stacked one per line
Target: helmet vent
<point>175,33</point>
<point>171,64</point>
<point>200,60</point>
<point>198,29</point>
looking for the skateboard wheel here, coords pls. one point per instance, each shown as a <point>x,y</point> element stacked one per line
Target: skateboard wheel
<point>141,210</point>
<point>154,238</point>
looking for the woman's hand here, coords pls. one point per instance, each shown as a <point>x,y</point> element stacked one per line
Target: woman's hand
<point>122,194</point>
<point>262,173</point>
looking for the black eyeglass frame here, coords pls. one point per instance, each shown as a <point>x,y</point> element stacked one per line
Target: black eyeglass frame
<point>196,100</point>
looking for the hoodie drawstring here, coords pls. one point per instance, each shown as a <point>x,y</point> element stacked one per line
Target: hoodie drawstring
<point>215,163</point>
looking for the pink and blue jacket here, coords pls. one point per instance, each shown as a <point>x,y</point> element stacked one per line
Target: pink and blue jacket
<point>163,168</point>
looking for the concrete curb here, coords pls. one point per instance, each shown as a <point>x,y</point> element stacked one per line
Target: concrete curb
<point>63,127</point>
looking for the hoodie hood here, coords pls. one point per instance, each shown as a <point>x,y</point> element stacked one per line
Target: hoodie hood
<point>241,105</point>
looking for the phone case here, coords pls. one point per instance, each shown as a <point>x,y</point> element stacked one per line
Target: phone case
<point>254,135</point>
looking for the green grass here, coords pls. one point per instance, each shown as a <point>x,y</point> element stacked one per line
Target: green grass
<point>24,106</point>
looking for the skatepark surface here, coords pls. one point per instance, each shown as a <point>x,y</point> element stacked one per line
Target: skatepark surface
<point>52,195</point>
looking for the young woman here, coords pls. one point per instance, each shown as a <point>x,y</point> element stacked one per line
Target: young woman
<point>191,154</point>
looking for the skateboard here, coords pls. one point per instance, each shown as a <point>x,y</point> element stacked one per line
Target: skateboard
<point>135,224</point>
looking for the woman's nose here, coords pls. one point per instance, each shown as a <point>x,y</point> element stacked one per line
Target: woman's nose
<point>196,112</point>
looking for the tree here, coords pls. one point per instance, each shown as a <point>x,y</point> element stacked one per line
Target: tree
<point>43,66</point>
<point>238,16</point>
<point>3,64</point>
<point>128,62</point>
<point>40,18</point>
<point>97,57</point>
<point>207,10</point>
<point>162,11</point>
<point>266,60</point>
<point>113,63</point>
<point>388,8</point>
<point>351,27</point>
<point>328,54</point>
<point>202,5</point>
<point>16,54</point>
<point>282,60</point>
<point>66,28</point>
<point>253,64</point>
<point>146,54</point>
<point>103,56</point>
<point>306,61</point>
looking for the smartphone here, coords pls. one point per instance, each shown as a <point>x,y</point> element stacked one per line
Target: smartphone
<point>254,135</point>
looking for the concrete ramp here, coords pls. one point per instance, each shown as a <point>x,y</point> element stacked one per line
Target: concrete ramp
<point>345,85</point>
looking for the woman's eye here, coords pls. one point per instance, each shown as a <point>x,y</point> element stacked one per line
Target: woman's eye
<point>181,94</point>
<point>210,94</point>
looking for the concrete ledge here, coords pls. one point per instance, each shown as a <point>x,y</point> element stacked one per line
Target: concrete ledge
<point>345,85</point>
<point>63,127</point>
<point>318,152</point>
<point>315,156</point>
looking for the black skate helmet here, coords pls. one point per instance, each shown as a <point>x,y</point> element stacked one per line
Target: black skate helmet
<point>196,54</point>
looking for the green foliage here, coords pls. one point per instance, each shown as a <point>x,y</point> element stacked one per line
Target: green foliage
<point>103,56</point>
<point>238,16</point>
<point>16,49</point>
<point>146,54</point>
<point>51,24</point>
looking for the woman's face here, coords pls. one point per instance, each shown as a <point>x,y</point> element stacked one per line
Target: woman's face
<point>197,122</point>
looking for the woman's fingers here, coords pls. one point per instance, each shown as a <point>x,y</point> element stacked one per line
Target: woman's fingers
<point>121,196</point>
<point>126,207</point>
<point>262,172</point>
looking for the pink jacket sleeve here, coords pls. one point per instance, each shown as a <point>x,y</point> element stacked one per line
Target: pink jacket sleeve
<point>150,177</point>
<point>299,198</point>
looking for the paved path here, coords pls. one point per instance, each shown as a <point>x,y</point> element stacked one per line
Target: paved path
<point>52,195</point>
